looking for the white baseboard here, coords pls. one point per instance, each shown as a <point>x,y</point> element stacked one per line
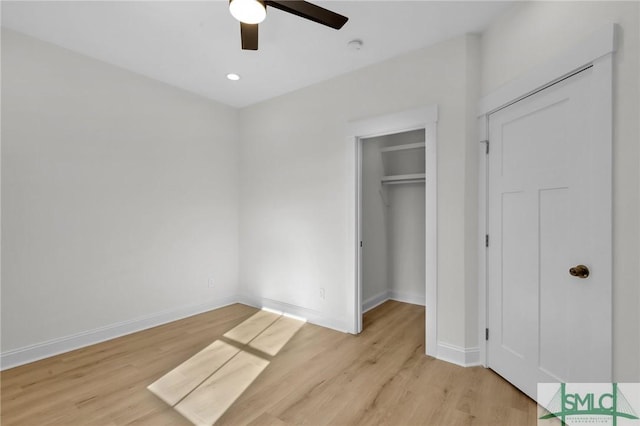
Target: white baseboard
<point>464,357</point>
<point>375,301</point>
<point>27,354</point>
<point>382,297</point>
<point>312,316</point>
<point>412,298</point>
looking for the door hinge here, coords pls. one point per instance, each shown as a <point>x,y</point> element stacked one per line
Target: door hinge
<point>486,240</point>
<point>486,142</point>
<point>360,243</point>
<point>486,334</point>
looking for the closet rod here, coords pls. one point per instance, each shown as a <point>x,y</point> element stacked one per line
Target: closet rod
<point>408,178</point>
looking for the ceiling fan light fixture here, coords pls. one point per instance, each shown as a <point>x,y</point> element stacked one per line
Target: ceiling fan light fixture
<point>248,11</point>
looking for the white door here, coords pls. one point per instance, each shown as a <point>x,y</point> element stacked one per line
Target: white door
<point>549,210</point>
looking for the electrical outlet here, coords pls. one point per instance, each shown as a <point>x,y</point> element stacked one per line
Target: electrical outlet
<point>211,283</point>
<point>322,293</point>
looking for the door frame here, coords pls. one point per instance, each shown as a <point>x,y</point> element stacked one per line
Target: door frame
<point>419,118</point>
<point>596,51</point>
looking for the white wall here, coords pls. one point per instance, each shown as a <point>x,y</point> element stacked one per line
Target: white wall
<point>534,32</point>
<point>297,168</point>
<point>375,226</point>
<point>407,242</point>
<point>119,195</point>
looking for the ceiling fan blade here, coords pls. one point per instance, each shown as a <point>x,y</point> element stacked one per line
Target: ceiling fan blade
<point>310,11</point>
<point>249,36</point>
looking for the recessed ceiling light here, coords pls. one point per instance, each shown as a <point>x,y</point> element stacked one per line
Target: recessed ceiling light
<point>233,77</point>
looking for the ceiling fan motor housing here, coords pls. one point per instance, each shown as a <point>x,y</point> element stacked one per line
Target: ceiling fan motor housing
<point>251,12</point>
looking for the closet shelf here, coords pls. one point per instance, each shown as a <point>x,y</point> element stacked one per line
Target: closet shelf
<point>398,179</point>
<point>403,147</point>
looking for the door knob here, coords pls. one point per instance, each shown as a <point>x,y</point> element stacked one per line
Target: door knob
<point>579,271</point>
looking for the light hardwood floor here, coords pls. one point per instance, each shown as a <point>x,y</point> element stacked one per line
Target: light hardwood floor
<point>320,377</point>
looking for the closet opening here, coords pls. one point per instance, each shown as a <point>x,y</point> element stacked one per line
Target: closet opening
<point>392,260</point>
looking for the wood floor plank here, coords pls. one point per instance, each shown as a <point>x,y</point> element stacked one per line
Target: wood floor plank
<point>201,371</point>
<point>274,337</point>
<point>319,377</point>
<point>266,419</point>
<point>179,382</point>
<point>252,327</point>
<point>209,401</point>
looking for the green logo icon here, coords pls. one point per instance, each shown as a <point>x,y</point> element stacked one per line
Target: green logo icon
<point>582,404</point>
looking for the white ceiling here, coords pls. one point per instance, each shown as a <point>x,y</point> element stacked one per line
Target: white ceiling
<point>194,44</point>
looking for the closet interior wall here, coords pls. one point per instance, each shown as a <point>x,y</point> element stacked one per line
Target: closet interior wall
<point>393,219</point>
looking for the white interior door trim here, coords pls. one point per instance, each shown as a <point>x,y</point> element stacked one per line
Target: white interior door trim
<point>596,51</point>
<point>419,118</point>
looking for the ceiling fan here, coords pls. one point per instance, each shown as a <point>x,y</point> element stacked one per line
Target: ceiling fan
<point>251,12</point>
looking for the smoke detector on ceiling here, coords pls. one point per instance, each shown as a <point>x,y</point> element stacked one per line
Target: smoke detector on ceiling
<point>355,45</point>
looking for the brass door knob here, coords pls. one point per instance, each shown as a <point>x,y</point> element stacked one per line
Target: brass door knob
<point>579,271</point>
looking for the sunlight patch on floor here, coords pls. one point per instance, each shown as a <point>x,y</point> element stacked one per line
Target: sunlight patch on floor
<point>276,336</point>
<point>182,380</point>
<point>248,330</point>
<point>210,400</point>
<point>203,387</point>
